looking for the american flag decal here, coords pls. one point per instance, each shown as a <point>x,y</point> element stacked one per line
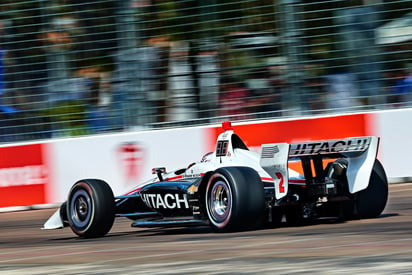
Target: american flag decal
<point>269,152</point>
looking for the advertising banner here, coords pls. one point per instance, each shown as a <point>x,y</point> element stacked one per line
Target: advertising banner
<point>23,175</point>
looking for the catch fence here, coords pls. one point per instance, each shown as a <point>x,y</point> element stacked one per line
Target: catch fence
<point>75,67</point>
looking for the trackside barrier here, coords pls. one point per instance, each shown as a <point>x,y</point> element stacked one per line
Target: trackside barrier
<point>39,175</point>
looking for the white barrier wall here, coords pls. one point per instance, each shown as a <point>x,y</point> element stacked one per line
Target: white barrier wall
<point>395,129</point>
<point>122,160</point>
<point>42,173</point>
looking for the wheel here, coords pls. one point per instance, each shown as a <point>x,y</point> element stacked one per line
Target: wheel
<point>370,202</point>
<point>90,208</point>
<point>234,198</point>
<point>367,203</point>
<point>63,213</point>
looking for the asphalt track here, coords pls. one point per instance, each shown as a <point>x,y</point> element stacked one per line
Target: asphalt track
<point>373,246</point>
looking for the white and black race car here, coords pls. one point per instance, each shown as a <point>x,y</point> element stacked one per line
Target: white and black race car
<point>234,188</point>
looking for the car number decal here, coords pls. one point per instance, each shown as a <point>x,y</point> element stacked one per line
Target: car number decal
<point>221,148</point>
<point>281,182</point>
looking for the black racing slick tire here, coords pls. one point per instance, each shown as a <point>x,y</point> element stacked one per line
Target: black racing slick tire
<point>90,208</point>
<point>370,202</point>
<point>63,213</point>
<point>234,199</point>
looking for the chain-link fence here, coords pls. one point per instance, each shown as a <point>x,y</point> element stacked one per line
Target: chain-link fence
<point>76,67</point>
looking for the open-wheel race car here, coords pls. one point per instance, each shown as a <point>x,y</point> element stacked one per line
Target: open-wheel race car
<point>234,188</point>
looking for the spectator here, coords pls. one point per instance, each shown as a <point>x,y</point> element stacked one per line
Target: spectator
<point>98,109</point>
<point>342,91</point>
<point>402,91</point>
<point>2,54</point>
<point>181,84</point>
<point>266,87</point>
<point>315,87</point>
<point>233,100</point>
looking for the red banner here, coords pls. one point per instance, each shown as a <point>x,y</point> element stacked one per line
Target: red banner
<point>290,131</point>
<point>23,175</point>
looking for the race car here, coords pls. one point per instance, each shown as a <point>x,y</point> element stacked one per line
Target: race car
<point>234,188</point>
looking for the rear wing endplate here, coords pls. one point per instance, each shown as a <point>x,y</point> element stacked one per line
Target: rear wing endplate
<point>360,152</point>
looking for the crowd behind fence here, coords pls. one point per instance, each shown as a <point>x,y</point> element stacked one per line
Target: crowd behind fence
<point>74,67</point>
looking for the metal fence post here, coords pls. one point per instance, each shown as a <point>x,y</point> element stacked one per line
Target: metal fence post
<point>290,33</point>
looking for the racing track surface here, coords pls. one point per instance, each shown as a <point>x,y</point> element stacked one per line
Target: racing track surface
<point>374,246</point>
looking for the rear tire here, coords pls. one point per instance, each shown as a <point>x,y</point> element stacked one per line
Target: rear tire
<point>367,203</point>
<point>370,202</point>
<point>90,208</point>
<point>234,199</point>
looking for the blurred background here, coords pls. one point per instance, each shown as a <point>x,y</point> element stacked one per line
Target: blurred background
<point>82,67</point>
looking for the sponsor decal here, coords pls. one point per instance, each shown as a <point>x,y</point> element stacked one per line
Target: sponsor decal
<point>166,201</point>
<point>329,147</point>
<point>193,175</point>
<point>23,175</point>
<point>131,159</point>
<point>26,175</point>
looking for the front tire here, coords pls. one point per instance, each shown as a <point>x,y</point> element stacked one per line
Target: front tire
<point>90,208</point>
<point>234,198</point>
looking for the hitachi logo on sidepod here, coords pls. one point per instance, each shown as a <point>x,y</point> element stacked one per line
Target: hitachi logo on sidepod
<point>166,201</point>
<point>328,147</point>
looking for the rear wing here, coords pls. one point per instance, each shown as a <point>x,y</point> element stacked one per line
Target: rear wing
<point>331,147</point>
<point>359,151</point>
